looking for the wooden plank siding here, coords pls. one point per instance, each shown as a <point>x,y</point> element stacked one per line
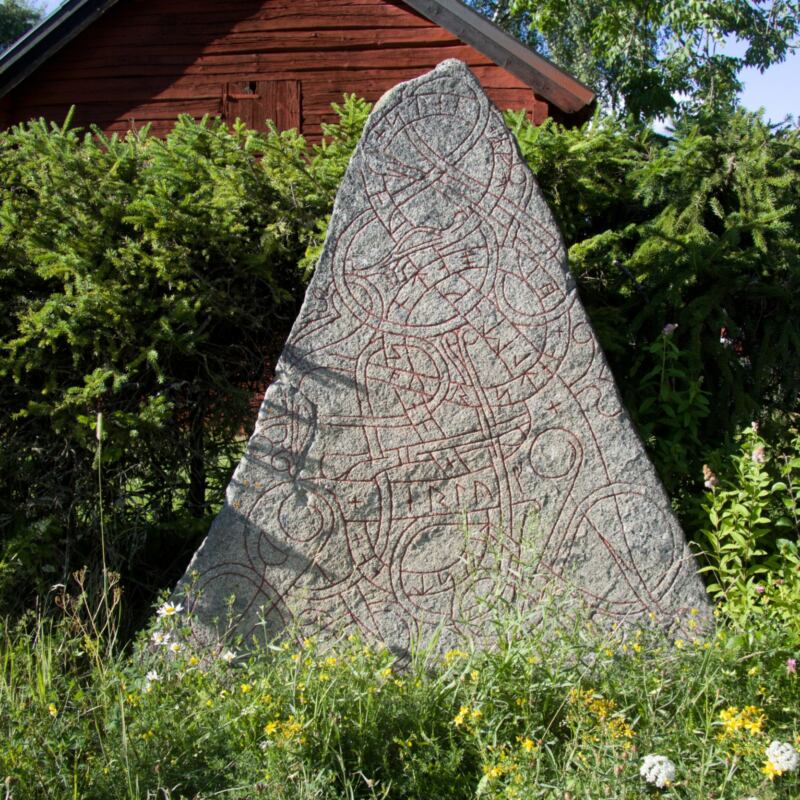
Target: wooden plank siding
<point>146,61</point>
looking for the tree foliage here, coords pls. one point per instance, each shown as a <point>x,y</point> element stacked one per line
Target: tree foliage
<point>639,55</point>
<point>16,18</point>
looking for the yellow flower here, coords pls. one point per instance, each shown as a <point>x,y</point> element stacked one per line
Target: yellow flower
<point>679,643</point>
<point>452,655</point>
<point>637,647</point>
<point>770,770</point>
<point>52,710</point>
<point>474,675</point>
<point>476,714</point>
<point>270,728</point>
<point>459,718</point>
<point>194,661</point>
<point>528,745</point>
<point>492,771</point>
<point>386,673</point>
<point>246,687</point>
<point>750,721</point>
<point>331,661</point>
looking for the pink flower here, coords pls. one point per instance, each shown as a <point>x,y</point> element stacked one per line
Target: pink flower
<point>759,589</point>
<point>791,666</point>
<point>669,328</point>
<point>710,479</point>
<point>754,425</point>
<point>758,455</point>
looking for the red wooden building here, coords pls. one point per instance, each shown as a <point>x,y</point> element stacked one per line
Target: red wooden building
<point>125,63</point>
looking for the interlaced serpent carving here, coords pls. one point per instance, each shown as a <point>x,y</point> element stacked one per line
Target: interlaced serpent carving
<point>444,435</point>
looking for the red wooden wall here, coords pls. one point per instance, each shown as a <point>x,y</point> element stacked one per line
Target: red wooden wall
<point>149,60</point>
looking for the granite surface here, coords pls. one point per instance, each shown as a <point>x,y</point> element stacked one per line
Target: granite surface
<point>443,439</point>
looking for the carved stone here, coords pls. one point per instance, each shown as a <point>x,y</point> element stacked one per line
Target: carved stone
<point>443,437</point>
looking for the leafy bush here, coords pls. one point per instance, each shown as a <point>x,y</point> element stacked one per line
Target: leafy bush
<point>750,525</point>
<point>153,282</point>
<point>697,231</point>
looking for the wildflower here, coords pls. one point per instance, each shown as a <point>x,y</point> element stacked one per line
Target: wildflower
<point>169,609</point>
<point>331,661</point>
<point>175,648</point>
<point>245,688</point>
<point>527,744</point>
<point>459,718</point>
<point>657,770</point>
<point>228,656</point>
<point>492,771</point>
<point>160,638</point>
<point>52,710</point>
<point>759,588</point>
<point>271,727</point>
<point>194,661</point>
<point>452,655</point>
<point>758,455</point>
<point>669,328</point>
<point>781,757</point>
<point>710,479</point>
<point>723,338</point>
<point>750,720</point>
<point>791,666</point>
<point>754,426</point>
<point>151,677</point>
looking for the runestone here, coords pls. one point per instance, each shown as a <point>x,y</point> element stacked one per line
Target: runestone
<point>443,438</point>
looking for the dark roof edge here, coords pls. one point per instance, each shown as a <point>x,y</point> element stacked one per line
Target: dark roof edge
<point>50,35</point>
<point>547,80</point>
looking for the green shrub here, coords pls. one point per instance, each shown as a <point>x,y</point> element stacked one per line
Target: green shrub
<point>153,282</point>
<point>143,279</point>
<point>697,230</point>
<point>750,525</point>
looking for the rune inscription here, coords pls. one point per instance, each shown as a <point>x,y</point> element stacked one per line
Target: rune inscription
<point>443,437</point>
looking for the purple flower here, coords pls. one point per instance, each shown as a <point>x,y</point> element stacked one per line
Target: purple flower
<point>791,666</point>
<point>758,455</point>
<point>669,328</point>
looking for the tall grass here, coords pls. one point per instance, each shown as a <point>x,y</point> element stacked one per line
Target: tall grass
<point>568,714</point>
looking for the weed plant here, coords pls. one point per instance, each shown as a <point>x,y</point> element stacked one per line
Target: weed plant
<point>566,715</point>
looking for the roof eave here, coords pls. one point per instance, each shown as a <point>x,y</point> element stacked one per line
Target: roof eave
<point>548,81</point>
<point>28,53</point>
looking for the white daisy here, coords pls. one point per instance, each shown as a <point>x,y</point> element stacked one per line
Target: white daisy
<point>169,609</point>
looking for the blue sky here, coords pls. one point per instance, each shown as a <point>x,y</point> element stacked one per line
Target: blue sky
<point>777,90</point>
